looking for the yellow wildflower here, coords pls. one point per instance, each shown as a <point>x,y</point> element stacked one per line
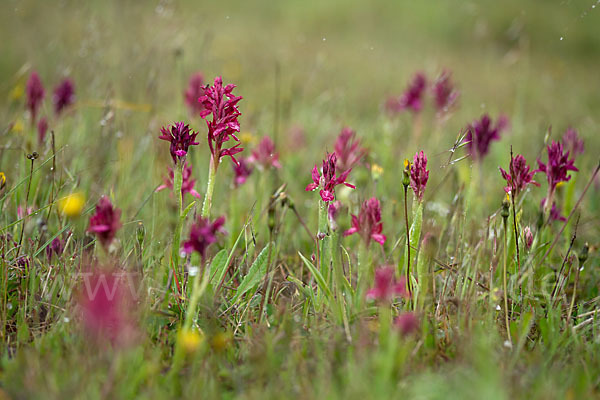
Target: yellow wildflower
<point>72,205</point>
<point>190,340</point>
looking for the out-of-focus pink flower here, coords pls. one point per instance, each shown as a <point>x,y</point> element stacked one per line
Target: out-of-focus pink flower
<point>368,222</point>
<point>327,179</point>
<point>558,165</point>
<point>107,307</point>
<point>412,98</point>
<point>202,234</point>
<point>572,142</point>
<point>386,288</point>
<point>193,92</point>
<point>35,94</point>
<point>187,183</point>
<point>242,171</point>
<point>264,155</point>
<point>105,222</point>
<point>348,150</point>
<point>555,214</point>
<point>222,104</point>
<point>181,138</point>
<point>419,174</point>
<point>63,96</point>
<point>528,237</point>
<point>407,323</point>
<point>22,212</point>
<point>444,93</point>
<point>56,247</point>
<point>297,137</point>
<point>42,128</point>
<point>519,176</point>
<point>481,133</point>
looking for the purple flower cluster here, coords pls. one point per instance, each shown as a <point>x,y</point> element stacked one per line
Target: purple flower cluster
<point>35,94</point>
<point>181,138</point>
<point>222,104</point>
<point>241,171</point>
<point>105,222</point>
<point>348,150</point>
<point>368,222</point>
<point>193,92</point>
<point>572,142</point>
<point>327,179</point>
<point>202,234</point>
<point>386,288</point>
<point>481,133</point>
<point>63,96</point>
<point>519,176</point>
<point>412,98</point>
<point>558,165</point>
<point>444,93</point>
<point>264,155</point>
<point>187,184</point>
<point>419,175</point>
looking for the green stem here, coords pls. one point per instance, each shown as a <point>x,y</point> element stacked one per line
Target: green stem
<point>210,186</point>
<point>408,277</point>
<point>504,273</point>
<point>177,182</point>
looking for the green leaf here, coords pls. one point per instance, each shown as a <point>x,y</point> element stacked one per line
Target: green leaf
<point>218,266</point>
<point>317,274</point>
<point>255,274</point>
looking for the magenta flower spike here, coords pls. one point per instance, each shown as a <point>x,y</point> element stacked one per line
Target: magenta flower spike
<point>481,133</point>
<point>558,165</point>
<point>242,171</point>
<point>56,247</point>
<point>555,214</point>
<point>386,288</point>
<point>368,222</point>
<point>444,93</point>
<point>63,96</point>
<point>348,150</point>
<point>222,104</point>
<point>528,237</point>
<point>105,222</point>
<point>572,142</point>
<point>42,128</point>
<point>419,175</point>
<point>412,98</point>
<point>519,176</point>
<point>193,92</point>
<point>264,155</point>
<point>202,234</point>
<point>35,94</point>
<point>327,179</point>
<point>181,138</point>
<point>187,185</point>
<point>407,323</point>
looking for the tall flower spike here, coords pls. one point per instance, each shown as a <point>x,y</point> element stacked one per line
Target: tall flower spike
<point>368,222</point>
<point>194,90</point>
<point>42,128</point>
<point>481,133</point>
<point>348,150</point>
<point>63,96</point>
<point>202,234</point>
<point>242,171</point>
<point>444,93</point>
<point>558,165</point>
<point>181,138</point>
<point>386,288</point>
<point>264,155</point>
<point>187,185</point>
<point>572,142</point>
<point>412,98</point>
<point>105,222</point>
<point>222,104</point>
<point>35,94</point>
<point>419,175</point>
<point>327,179</point>
<point>519,175</point>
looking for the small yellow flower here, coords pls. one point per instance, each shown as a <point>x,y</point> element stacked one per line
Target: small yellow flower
<point>559,184</point>
<point>247,138</point>
<point>18,126</point>
<point>406,163</point>
<point>17,92</point>
<point>2,180</point>
<point>221,341</point>
<point>72,205</point>
<point>376,171</point>
<point>190,339</point>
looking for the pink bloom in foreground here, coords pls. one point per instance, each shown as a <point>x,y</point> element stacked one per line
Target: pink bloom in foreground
<point>187,184</point>
<point>481,133</point>
<point>222,104</point>
<point>407,323</point>
<point>264,155</point>
<point>572,142</point>
<point>63,96</point>
<point>386,288</point>
<point>368,222</point>
<point>444,93</point>
<point>242,171</point>
<point>327,179</point>
<point>202,234</point>
<point>419,175</point>
<point>348,150</point>
<point>558,165</point>
<point>193,92</point>
<point>35,94</point>
<point>105,222</point>
<point>181,138</point>
<point>519,176</point>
